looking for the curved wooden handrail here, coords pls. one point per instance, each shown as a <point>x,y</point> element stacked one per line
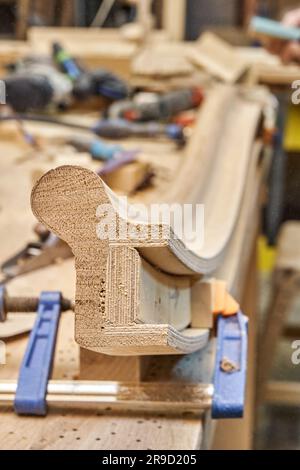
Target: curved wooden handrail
<point>117,280</point>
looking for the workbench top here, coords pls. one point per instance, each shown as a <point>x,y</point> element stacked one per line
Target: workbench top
<point>63,429</point>
<point>86,429</point>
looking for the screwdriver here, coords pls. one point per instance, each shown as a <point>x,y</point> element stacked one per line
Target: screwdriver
<point>112,128</point>
<point>122,129</point>
<point>275,29</point>
<point>98,149</point>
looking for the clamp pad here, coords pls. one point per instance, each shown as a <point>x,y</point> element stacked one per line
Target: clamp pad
<point>37,363</point>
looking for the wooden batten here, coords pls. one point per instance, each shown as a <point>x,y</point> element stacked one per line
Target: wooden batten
<point>95,366</point>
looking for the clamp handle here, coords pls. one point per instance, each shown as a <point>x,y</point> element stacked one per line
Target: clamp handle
<point>231,367</point>
<point>37,363</point>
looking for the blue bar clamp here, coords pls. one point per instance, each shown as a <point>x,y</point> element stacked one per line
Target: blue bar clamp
<point>231,367</point>
<point>36,368</point>
<point>37,363</point>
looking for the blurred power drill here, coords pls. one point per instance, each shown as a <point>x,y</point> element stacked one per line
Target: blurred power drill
<point>155,107</point>
<point>35,84</point>
<point>89,83</point>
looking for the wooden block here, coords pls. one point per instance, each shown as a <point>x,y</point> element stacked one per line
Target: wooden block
<point>96,366</point>
<point>202,304</point>
<point>127,178</point>
<point>163,60</point>
<point>218,57</point>
<point>95,47</point>
<point>164,299</point>
<point>209,298</point>
<point>219,295</point>
<point>279,74</point>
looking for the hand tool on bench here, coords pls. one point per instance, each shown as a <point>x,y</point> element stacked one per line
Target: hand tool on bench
<point>100,150</point>
<point>47,250</point>
<point>155,107</point>
<point>266,27</point>
<point>122,129</point>
<point>112,129</point>
<point>36,85</point>
<point>89,83</point>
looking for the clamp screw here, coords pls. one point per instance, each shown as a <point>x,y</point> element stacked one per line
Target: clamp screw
<point>228,366</point>
<point>24,304</point>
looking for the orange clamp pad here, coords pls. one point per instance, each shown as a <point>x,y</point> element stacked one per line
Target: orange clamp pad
<point>223,303</point>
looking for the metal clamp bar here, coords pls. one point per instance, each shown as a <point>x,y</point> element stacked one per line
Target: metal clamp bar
<point>152,397</point>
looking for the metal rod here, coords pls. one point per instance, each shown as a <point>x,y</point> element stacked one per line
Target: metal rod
<point>30,304</point>
<point>154,397</point>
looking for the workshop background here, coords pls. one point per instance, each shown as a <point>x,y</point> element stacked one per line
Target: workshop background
<point>30,27</point>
